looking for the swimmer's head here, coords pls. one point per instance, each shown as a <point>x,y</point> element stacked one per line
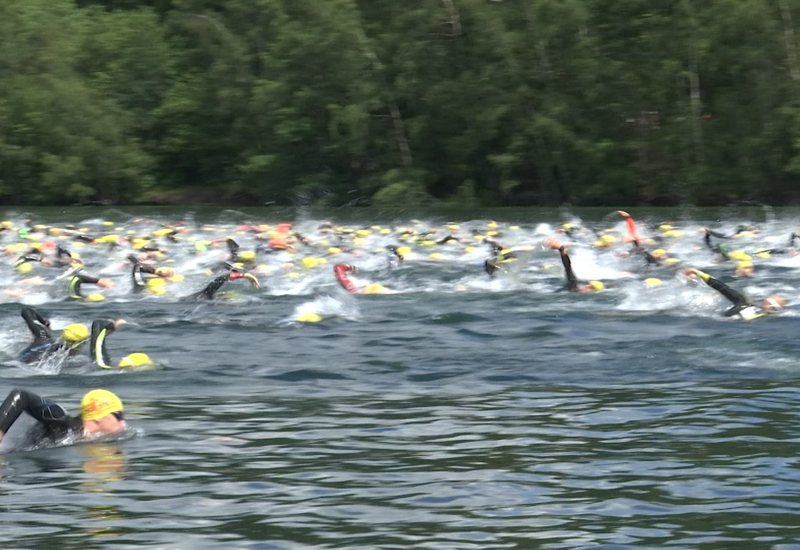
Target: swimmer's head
<point>773,303</point>
<point>165,272</point>
<point>135,360</point>
<point>25,268</point>
<point>374,288</point>
<point>75,335</point>
<point>592,286</point>
<point>101,412</point>
<point>744,269</point>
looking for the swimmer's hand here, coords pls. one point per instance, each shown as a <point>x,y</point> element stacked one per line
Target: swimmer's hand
<point>120,323</point>
<point>623,214</point>
<point>689,272</point>
<point>253,281</point>
<point>552,243</point>
<point>105,283</point>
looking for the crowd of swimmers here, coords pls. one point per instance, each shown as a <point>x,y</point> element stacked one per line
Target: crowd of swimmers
<point>146,254</point>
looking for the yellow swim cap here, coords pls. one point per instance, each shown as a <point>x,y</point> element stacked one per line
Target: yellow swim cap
<point>744,265</point>
<point>671,261</point>
<point>293,275</point>
<point>740,256</point>
<point>658,252</point>
<point>108,224</point>
<point>309,263</point>
<point>247,256</point>
<point>156,282</point>
<point>25,268</point>
<point>492,233</point>
<point>334,250</point>
<point>75,333</point>
<point>403,250</point>
<point>386,231</point>
<point>652,282</point>
<point>469,249</point>
<point>437,256</point>
<point>764,255</point>
<point>597,285</point>
<point>608,239</point>
<point>358,241</point>
<point>177,278</point>
<point>95,297</point>
<point>665,227</point>
<point>374,288</point>
<point>492,225</point>
<point>673,233</point>
<point>363,232</point>
<point>514,228</point>
<point>98,404</point>
<point>309,318</point>
<point>135,360</point>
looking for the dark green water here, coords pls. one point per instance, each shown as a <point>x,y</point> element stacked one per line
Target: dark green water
<point>504,416</point>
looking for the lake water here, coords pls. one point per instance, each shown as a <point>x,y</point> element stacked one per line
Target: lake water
<point>454,411</point>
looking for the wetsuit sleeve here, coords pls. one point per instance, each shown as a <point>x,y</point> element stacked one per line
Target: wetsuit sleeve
<point>572,281</point>
<point>341,270</point>
<point>136,278</point>
<point>27,258</point>
<point>76,282</point>
<point>210,290</point>
<point>51,415</point>
<point>100,330</point>
<point>737,298</point>
<point>37,324</point>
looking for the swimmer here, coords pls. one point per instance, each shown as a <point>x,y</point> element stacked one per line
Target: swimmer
<point>572,281</point>
<point>72,338</point>
<point>79,279</point>
<point>97,349</point>
<point>742,307</point>
<point>211,288</point>
<point>101,414</point>
<point>341,271</point>
<point>137,281</point>
<point>491,268</point>
<point>394,257</point>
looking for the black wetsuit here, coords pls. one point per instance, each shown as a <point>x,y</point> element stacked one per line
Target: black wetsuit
<point>211,288</point>
<point>33,257</point>
<point>490,267</point>
<point>447,239</point>
<point>42,337</point>
<point>101,329</point>
<point>572,280</point>
<point>651,260</point>
<point>52,416</point>
<point>136,274</point>
<point>741,305</point>
<point>75,284</point>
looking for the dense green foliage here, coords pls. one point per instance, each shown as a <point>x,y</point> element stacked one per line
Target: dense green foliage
<point>388,102</point>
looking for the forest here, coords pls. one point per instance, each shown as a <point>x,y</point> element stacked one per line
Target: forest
<point>399,102</point>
